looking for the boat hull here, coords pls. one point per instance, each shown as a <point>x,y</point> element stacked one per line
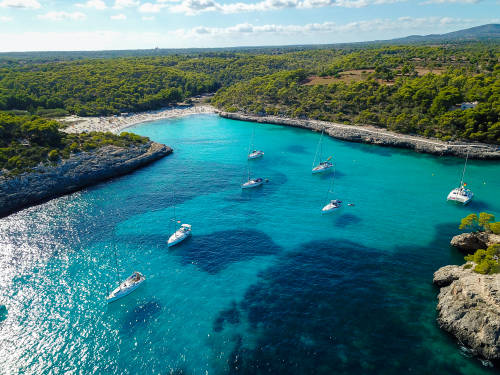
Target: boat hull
<point>123,291</point>
<point>322,168</point>
<point>256,155</point>
<point>458,197</point>
<point>249,185</point>
<point>176,239</point>
<point>329,208</point>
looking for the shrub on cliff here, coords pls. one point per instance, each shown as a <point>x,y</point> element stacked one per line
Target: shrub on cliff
<point>53,155</point>
<point>486,261</point>
<point>26,141</point>
<point>483,222</point>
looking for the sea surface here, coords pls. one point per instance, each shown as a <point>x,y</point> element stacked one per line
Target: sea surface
<point>266,284</point>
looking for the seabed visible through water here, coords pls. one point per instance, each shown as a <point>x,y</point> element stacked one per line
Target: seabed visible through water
<point>266,284</point>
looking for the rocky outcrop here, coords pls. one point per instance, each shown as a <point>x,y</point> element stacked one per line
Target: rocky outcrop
<point>469,308</point>
<point>370,134</point>
<point>470,242</point>
<point>80,170</point>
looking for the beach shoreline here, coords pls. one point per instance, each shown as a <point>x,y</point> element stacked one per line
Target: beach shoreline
<point>352,133</point>
<point>116,124</point>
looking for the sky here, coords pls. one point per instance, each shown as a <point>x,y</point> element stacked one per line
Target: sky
<point>69,25</point>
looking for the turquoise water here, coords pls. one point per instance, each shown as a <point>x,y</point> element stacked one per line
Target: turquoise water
<point>265,285</point>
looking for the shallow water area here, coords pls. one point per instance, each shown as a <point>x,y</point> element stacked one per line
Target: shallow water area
<point>266,283</point>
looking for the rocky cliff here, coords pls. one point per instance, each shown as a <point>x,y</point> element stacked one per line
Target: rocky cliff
<point>370,134</point>
<point>470,242</point>
<point>80,170</point>
<point>469,308</point>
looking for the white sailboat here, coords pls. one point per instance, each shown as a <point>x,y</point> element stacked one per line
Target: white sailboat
<point>254,154</point>
<point>325,165</point>
<point>180,234</point>
<point>251,182</point>
<point>461,194</point>
<point>130,284</point>
<point>332,204</point>
<point>126,287</point>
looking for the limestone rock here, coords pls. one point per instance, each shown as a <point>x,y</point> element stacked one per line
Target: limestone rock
<point>470,242</point>
<point>469,308</point>
<point>68,175</point>
<point>379,136</point>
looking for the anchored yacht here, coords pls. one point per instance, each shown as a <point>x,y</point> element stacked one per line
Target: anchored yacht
<point>126,287</point>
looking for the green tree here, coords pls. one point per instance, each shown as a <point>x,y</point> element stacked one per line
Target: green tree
<point>469,222</point>
<point>484,220</point>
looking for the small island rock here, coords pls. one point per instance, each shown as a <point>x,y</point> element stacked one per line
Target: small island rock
<point>469,308</point>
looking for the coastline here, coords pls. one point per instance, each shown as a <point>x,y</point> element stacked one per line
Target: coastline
<point>351,133</point>
<point>69,175</point>
<point>116,124</point>
<point>469,308</point>
<point>382,137</point>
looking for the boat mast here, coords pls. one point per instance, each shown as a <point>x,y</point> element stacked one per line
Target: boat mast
<point>465,166</point>
<point>116,265</point>
<point>175,218</point>
<point>318,148</point>
<point>330,189</point>
<point>250,146</point>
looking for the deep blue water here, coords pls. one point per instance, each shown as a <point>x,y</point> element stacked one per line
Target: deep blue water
<point>265,285</point>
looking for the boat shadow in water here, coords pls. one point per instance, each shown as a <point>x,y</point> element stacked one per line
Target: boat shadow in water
<point>478,205</point>
<point>141,315</point>
<point>297,149</point>
<point>345,220</point>
<point>328,174</point>
<point>214,252</point>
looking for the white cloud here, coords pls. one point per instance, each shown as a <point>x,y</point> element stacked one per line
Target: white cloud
<point>61,16</point>
<point>451,1</point>
<point>148,18</point>
<point>151,8</point>
<point>96,4</point>
<point>245,34</point>
<point>119,17</point>
<point>27,4</point>
<point>5,19</point>
<point>193,7</point>
<point>120,4</point>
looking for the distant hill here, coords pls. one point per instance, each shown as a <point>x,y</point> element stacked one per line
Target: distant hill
<point>484,33</point>
<point>489,32</point>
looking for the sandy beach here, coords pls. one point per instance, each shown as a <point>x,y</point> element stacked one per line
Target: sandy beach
<point>116,124</point>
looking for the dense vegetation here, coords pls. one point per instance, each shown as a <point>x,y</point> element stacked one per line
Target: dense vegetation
<point>486,261</point>
<point>409,89</point>
<point>26,141</point>
<point>409,103</point>
<point>482,222</point>
<point>98,87</point>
